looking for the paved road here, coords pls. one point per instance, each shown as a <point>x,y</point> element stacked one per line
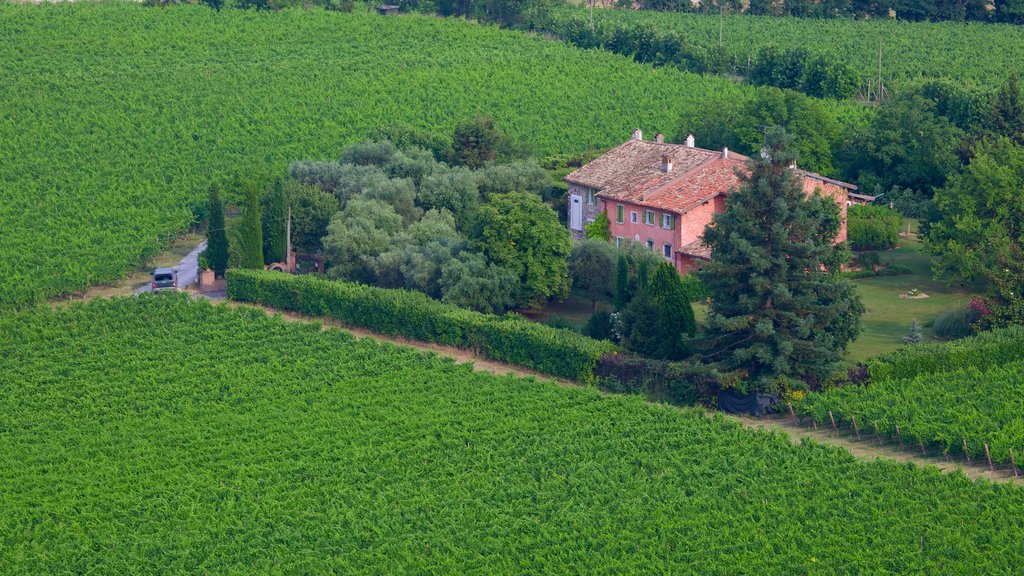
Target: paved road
<point>187,269</point>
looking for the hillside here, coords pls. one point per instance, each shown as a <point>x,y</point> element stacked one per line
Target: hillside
<point>119,116</point>
<point>158,434</point>
<point>971,55</point>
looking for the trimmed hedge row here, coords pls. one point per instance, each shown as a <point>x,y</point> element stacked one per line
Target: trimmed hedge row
<point>414,315</point>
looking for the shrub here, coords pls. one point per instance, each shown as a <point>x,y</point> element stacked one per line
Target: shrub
<point>599,326</point>
<point>677,383</point>
<point>869,260</point>
<point>694,288</point>
<point>953,324</point>
<point>873,227</point>
<point>414,315</point>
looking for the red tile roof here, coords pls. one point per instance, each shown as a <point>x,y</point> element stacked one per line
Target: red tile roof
<point>633,172</point>
<point>697,249</point>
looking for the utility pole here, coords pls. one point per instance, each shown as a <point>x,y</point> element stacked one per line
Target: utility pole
<point>721,23</point>
<point>592,15</point>
<point>288,250</point>
<point>878,89</point>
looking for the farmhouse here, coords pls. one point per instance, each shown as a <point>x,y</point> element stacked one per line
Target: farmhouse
<point>664,194</point>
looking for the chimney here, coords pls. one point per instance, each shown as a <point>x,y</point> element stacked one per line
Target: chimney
<point>666,164</point>
<point>659,138</point>
<point>725,152</point>
<point>638,135</point>
<point>689,141</point>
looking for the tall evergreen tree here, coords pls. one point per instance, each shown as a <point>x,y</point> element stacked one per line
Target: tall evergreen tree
<point>780,312</point>
<point>252,230</point>
<point>275,224</point>
<point>216,234</point>
<point>675,313</point>
<point>621,282</point>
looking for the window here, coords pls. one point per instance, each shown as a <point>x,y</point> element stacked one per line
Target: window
<point>650,244</point>
<point>649,217</point>
<point>618,241</point>
<point>632,217</point>
<point>668,221</point>
<point>590,196</point>
<point>666,251</point>
<point>620,213</point>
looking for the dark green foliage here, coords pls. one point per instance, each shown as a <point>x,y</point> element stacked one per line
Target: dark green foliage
<point>357,235</point>
<point>216,233</point>
<point>677,383</point>
<point>519,233</point>
<point>591,265</point>
<point>869,260</point>
<point>414,315</point>
<point>675,324</point>
<point>275,223</point>
<point>798,69</point>
<point>980,231</point>
<point>909,203</point>
<point>600,228</point>
<point>251,230</point>
<point>475,142</point>
<point>622,293</point>
<point>599,326</point>
<point>637,325</point>
<point>1005,116</point>
<point>215,4</point>
<point>470,282</point>
<point>873,227</point>
<point>780,311</point>
<point>312,209</point>
<point>953,324</point>
<point>693,288</point>
<point>368,153</point>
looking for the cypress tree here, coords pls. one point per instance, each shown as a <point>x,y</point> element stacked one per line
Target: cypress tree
<point>675,314</point>
<point>252,230</point>
<point>275,224</point>
<point>216,234</point>
<point>621,282</point>
<point>1006,111</point>
<point>780,312</point>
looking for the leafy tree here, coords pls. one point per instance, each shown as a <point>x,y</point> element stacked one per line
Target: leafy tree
<point>780,311</point>
<point>599,229</point>
<point>873,227</point>
<point>275,224</point>
<point>519,176</point>
<point>312,209</point>
<point>418,256</point>
<point>470,282</point>
<point>980,232</point>
<point>252,230</point>
<point>591,264</point>
<point>215,4</point>
<point>357,235</point>
<point>621,281</point>
<point>599,326</point>
<point>454,189</point>
<point>216,234</point>
<point>907,145</point>
<point>368,153</point>
<point>914,335</point>
<point>414,163</point>
<point>475,142</point>
<point>516,231</point>
<point>1006,111</point>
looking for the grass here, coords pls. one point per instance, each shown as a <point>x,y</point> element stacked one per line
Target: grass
<point>888,316</point>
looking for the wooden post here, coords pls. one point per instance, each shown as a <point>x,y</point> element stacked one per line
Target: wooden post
<point>966,453</point>
<point>878,437</point>
<point>899,436</point>
<point>855,430</point>
<point>923,451</point>
<point>988,455</point>
<point>1013,463</point>
<point>833,419</point>
<point>791,411</point>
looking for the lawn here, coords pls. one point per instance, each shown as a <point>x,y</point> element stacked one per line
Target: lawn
<point>888,316</point>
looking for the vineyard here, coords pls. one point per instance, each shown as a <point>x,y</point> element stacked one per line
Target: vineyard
<point>115,117</point>
<point>962,397</point>
<point>162,435</point>
<point>972,55</point>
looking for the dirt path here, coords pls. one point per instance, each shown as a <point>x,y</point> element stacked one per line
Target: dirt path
<point>866,449</point>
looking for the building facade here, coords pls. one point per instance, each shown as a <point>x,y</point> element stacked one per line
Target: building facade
<point>664,195</point>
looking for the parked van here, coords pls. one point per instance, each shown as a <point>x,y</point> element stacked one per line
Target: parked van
<point>164,279</point>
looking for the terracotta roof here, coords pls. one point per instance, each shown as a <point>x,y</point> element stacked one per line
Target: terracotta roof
<point>697,249</point>
<point>632,172</point>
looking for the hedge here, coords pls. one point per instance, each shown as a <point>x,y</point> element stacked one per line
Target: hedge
<point>873,227</point>
<point>413,315</point>
<point>985,350</point>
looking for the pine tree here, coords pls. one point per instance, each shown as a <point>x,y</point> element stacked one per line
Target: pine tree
<point>621,282</point>
<point>252,230</point>
<point>216,234</point>
<point>780,312</point>
<point>914,335</point>
<point>275,224</point>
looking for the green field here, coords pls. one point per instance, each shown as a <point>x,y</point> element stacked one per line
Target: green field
<point>948,395</point>
<point>162,435</point>
<point>115,117</point>
<point>972,55</point>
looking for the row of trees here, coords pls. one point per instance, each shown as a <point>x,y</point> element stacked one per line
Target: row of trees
<point>1010,11</point>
